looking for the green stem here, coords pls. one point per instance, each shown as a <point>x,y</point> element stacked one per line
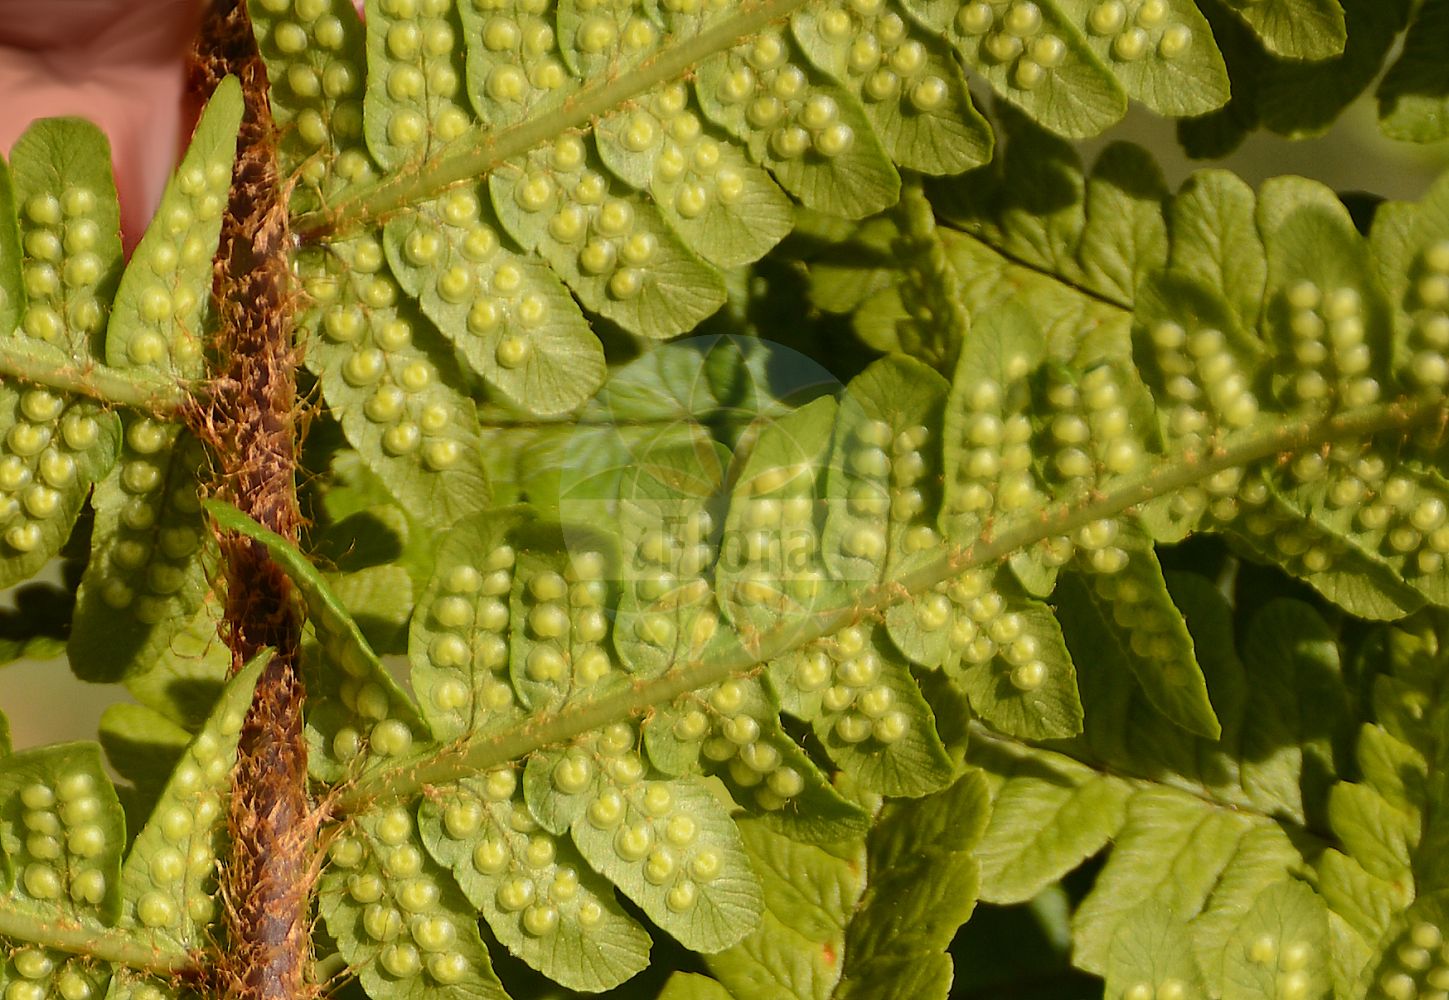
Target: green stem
<point>477,753</point>
<point>481,149</point>
<point>98,382</point>
<point>108,944</point>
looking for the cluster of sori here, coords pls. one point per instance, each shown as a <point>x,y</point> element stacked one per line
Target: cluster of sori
<point>687,162</point>
<point>1333,363</point>
<point>317,88</point>
<point>1136,30</point>
<point>518,853</point>
<point>398,378</point>
<point>669,584</point>
<point>774,93</point>
<point>980,626</point>
<point>60,237</point>
<point>1090,428</point>
<point>845,673</point>
<point>889,484</point>
<point>1016,33</point>
<point>158,532</point>
<point>314,24</point>
<point>463,252</point>
<point>640,819</point>
<point>167,306</point>
<point>1372,489</point>
<point>600,229</point>
<point>176,858</point>
<point>537,894</point>
<point>35,974</point>
<point>1203,384</point>
<point>1416,965</point>
<point>387,387</point>
<point>1290,958</point>
<point>376,721</point>
<point>725,724</point>
<point>45,444</point>
<point>469,643</point>
<point>520,53</point>
<point>420,44</point>
<point>396,896</point>
<point>883,61</point>
<point>598,32</point>
<point>564,642</point>
<point>178,863</point>
<point>993,459</point>
<point>1389,510</point>
<point>773,539</point>
<point>64,839</point>
<point>1429,339</point>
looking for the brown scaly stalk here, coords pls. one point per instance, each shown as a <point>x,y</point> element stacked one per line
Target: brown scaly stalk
<point>249,421</point>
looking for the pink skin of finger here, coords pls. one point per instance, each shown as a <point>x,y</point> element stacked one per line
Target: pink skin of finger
<point>119,63</point>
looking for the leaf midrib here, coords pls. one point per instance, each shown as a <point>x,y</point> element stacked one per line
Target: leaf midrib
<point>1101,298</point>
<point>139,389</point>
<point>133,948</point>
<point>1194,789</point>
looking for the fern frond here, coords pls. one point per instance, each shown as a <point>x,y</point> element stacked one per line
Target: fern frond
<point>393,384</point>
<point>62,269</point>
<point>1293,86</point>
<point>634,151</point>
<point>1411,94</point>
<point>395,913</point>
<point>1139,428</point>
<point>741,620</point>
<point>538,895</point>
<point>1309,30</point>
<point>1385,883</point>
<point>1216,810</point>
<point>77,309</point>
<point>78,921</point>
<point>1337,287</point>
<point>864,917</point>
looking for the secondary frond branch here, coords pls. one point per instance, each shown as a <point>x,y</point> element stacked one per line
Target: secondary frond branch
<point>479,151</point>
<point>469,756</point>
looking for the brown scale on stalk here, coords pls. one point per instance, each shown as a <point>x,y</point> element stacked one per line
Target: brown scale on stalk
<point>249,421</point>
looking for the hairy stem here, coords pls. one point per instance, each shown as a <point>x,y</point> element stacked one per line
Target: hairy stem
<point>249,422</point>
<point>478,753</point>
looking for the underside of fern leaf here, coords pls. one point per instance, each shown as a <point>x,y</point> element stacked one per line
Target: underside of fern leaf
<point>620,647</point>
